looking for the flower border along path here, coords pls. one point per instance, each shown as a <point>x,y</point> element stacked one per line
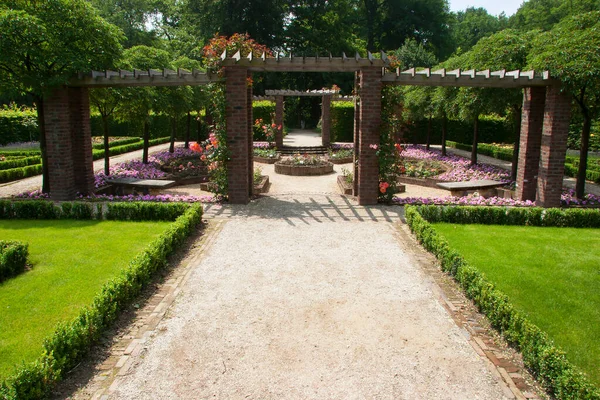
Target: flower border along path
<point>73,339</point>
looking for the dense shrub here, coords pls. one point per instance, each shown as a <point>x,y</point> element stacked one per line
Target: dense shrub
<point>72,340</point>
<point>13,258</point>
<point>486,149</point>
<point>18,126</point>
<point>491,130</point>
<point>544,360</point>
<point>263,109</point>
<point>14,174</point>
<point>19,153</point>
<point>20,162</point>
<point>116,143</point>
<point>342,121</point>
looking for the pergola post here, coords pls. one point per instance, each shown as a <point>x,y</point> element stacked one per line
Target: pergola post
<point>279,113</point>
<point>250,139</point>
<point>356,136</point>
<point>326,121</point>
<point>369,130</point>
<point>557,115</point>
<point>69,144</point>
<point>532,121</point>
<point>239,128</point>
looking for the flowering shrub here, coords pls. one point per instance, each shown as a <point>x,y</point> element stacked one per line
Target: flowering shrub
<point>263,145</point>
<point>421,168</point>
<point>265,153</point>
<point>265,132</point>
<point>471,200</point>
<point>340,154</point>
<point>238,41</point>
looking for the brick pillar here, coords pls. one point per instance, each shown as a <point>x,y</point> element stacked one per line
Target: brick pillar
<point>356,135</point>
<point>238,141</point>
<point>369,132</point>
<point>279,113</point>
<point>68,138</point>
<point>250,139</point>
<point>326,121</point>
<point>557,115</point>
<point>532,121</point>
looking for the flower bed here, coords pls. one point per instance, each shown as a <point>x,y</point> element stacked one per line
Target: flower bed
<point>266,155</point>
<point>303,165</point>
<point>341,156</point>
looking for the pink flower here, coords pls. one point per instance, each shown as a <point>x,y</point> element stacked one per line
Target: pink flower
<point>373,146</point>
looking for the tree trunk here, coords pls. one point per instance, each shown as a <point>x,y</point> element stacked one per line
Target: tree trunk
<point>428,143</point>
<point>187,131</point>
<point>515,157</point>
<point>146,142</point>
<point>444,132</point>
<point>199,128</point>
<point>106,145</point>
<point>583,154</point>
<point>475,140</point>
<point>173,132</point>
<point>371,11</point>
<point>39,102</point>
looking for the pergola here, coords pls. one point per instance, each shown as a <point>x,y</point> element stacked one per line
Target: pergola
<point>325,94</point>
<point>544,128</point>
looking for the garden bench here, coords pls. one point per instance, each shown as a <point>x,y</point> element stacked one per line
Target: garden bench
<point>143,185</point>
<point>485,187</point>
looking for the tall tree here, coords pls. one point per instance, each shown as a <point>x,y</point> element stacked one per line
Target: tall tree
<point>473,24</point>
<point>44,43</point>
<point>544,14</point>
<point>413,54</point>
<point>106,101</point>
<point>571,52</point>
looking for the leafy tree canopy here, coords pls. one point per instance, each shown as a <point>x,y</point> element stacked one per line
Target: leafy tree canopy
<point>413,54</point>
<point>473,24</point>
<point>544,14</point>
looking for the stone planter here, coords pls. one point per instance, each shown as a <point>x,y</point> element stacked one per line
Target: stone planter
<point>262,186</point>
<point>347,160</point>
<point>345,187</point>
<point>506,193</point>
<point>427,182</point>
<point>266,160</point>
<point>303,170</point>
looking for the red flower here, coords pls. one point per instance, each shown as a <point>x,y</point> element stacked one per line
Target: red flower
<point>196,147</point>
<point>383,187</point>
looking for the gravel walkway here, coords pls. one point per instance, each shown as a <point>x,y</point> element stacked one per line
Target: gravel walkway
<point>307,297</point>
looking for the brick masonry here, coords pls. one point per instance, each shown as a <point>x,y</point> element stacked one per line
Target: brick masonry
<point>239,137</point>
<point>370,125</point>
<point>557,115</point>
<point>532,121</point>
<point>279,112</point>
<point>69,148</point>
<point>326,120</point>
<point>356,134</point>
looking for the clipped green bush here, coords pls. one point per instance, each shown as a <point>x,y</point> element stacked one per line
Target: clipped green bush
<point>485,149</point>
<point>13,174</point>
<point>116,143</point>
<point>20,162</point>
<point>342,121</point>
<point>73,339</point>
<point>263,109</point>
<point>547,363</point>
<point>18,126</point>
<point>13,258</point>
<point>491,130</point>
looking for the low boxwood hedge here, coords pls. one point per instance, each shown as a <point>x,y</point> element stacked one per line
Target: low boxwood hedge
<point>116,143</point>
<point>20,162</point>
<point>486,149</point>
<point>13,174</point>
<point>13,258</point>
<point>548,363</point>
<point>73,339</point>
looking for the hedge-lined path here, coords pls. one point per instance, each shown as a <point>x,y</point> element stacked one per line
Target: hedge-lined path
<point>35,182</point>
<point>306,296</point>
<point>568,182</point>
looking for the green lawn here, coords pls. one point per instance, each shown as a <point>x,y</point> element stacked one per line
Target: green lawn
<point>71,261</point>
<point>551,274</point>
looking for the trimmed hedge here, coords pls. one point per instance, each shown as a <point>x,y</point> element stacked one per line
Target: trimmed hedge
<point>20,162</point>
<point>485,149</point>
<point>13,258</point>
<point>591,174</point>
<point>139,144</point>
<point>72,340</point>
<point>116,143</point>
<point>342,121</point>
<point>491,130</point>
<point>18,126</point>
<point>548,363</point>
<point>14,174</point>
<point>20,153</point>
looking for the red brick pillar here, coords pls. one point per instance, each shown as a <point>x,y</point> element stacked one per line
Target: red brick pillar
<point>279,113</point>
<point>68,141</point>
<point>251,140</point>
<point>369,132</point>
<point>238,141</point>
<point>557,115</point>
<point>532,121</point>
<point>326,121</point>
<point>355,138</point>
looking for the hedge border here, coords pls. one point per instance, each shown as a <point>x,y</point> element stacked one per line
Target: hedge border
<point>546,362</point>
<point>20,162</point>
<point>13,258</point>
<point>116,143</point>
<point>73,339</point>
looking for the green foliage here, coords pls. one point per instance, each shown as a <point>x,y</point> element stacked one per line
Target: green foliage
<point>20,162</point>
<point>540,355</point>
<point>499,152</point>
<point>18,125</point>
<point>342,121</point>
<point>13,258</point>
<point>472,25</point>
<point>144,211</point>
<point>263,109</point>
<point>13,174</point>
<point>412,55</point>
<point>116,143</point>
<point>71,340</point>
<point>491,130</point>
<point>221,155</point>
<point>544,14</point>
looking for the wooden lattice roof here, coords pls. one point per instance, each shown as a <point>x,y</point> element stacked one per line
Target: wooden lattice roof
<point>137,77</point>
<point>300,93</point>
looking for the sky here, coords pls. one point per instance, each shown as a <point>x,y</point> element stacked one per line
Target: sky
<point>494,7</point>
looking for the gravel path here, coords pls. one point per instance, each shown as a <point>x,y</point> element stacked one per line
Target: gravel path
<point>35,182</point>
<point>308,297</point>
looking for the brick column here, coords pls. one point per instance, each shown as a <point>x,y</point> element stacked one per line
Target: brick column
<point>557,115</point>
<point>250,139</point>
<point>279,113</point>
<point>369,132</point>
<point>532,121</point>
<point>236,94</point>
<point>326,121</point>
<point>68,142</point>
<point>355,138</point>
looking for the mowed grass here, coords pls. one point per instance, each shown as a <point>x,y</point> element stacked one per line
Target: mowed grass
<point>71,261</point>
<point>551,274</point>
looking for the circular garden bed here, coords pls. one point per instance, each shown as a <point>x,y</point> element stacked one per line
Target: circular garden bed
<point>281,167</point>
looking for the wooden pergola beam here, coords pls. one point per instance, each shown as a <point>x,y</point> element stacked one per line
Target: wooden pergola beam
<point>471,78</point>
<point>136,78</point>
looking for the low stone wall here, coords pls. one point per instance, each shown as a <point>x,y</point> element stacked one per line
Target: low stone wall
<point>427,182</point>
<point>265,160</point>
<point>346,160</point>
<point>303,170</point>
